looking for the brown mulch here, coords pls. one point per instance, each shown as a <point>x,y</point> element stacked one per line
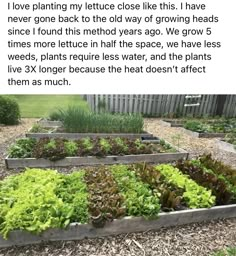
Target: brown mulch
<point>190,240</point>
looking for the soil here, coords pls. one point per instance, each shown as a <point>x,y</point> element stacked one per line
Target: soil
<point>189,240</point>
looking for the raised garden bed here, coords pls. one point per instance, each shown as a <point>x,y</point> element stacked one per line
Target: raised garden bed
<point>203,134</point>
<point>209,129</point>
<point>224,145</point>
<point>172,123</point>
<point>55,134</point>
<point>44,205</point>
<point>48,123</point>
<point>78,231</point>
<point>58,152</point>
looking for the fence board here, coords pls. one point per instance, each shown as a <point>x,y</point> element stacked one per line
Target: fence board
<point>159,105</point>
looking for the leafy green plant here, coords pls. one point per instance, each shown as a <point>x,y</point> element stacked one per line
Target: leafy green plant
<point>105,201</point>
<point>224,172</point>
<point>9,111</point>
<point>105,145</point>
<point>52,149</point>
<point>195,126</point>
<point>212,126</point>
<point>22,148</point>
<point>170,196</point>
<point>194,195</point>
<point>35,201</point>
<point>121,146</point>
<point>139,199</point>
<point>71,148</point>
<point>73,191</point>
<point>58,148</point>
<point>206,178</point>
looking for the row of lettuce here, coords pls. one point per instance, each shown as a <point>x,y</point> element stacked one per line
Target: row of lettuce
<point>36,199</point>
<point>59,148</point>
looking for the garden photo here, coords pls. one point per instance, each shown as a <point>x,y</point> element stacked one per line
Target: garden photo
<point>110,174</point>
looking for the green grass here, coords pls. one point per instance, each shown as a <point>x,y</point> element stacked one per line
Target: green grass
<point>42,105</point>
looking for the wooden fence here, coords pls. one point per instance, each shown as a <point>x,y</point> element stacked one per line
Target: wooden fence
<point>165,105</point>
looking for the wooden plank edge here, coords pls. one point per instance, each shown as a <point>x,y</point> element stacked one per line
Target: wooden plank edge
<point>83,135</point>
<point>12,163</point>
<point>225,146</point>
<point>77,231</point>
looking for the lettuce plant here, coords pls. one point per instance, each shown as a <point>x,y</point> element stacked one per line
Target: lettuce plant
<point>194,195</point>
<point>40,199</point>
<point>139,199</point>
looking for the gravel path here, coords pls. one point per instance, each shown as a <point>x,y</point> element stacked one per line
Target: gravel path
<point>8,134</point>
<point>194,146</point>
<point>190,240</point>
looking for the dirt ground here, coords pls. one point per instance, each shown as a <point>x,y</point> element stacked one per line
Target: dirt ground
<point>190,240</point>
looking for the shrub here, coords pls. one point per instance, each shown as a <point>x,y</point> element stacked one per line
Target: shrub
<point>9,111</point>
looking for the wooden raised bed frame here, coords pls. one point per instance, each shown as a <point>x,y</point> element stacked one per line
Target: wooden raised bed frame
<point>226,146</point>
<point>172,123</point>
<point>168,123</point>
<point>14,163</point>
<point>204,134</point>
<point>78,231</point>
<point>84,135</point>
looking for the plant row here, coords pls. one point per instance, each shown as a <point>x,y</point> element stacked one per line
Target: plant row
<point>74,119</point>
<point>40,199</point>
<point>216,126</point>
<point>58,148</point>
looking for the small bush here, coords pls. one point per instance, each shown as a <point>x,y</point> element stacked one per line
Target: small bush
<point>9,111</point>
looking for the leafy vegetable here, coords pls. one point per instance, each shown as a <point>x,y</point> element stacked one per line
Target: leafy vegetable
<point>194,195</point>
<point>105,201</point>
<point>22,148</point>
<point>170,196</point>
<point>225,172</point>
<point>58,148</point>
<point>71,148</point>
<point>139,199</point>
<point>30,201</point>
<point>206,178</point>
<point>52,149</point>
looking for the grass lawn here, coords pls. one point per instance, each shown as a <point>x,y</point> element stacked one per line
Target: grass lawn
<point>42,105</point>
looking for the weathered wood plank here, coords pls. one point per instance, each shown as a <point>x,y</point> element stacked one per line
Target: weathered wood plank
<point>203,135</point>
<point>12,163</point>
<point>225,146</point>
<point>78,231</point>
<point>84,135</point>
